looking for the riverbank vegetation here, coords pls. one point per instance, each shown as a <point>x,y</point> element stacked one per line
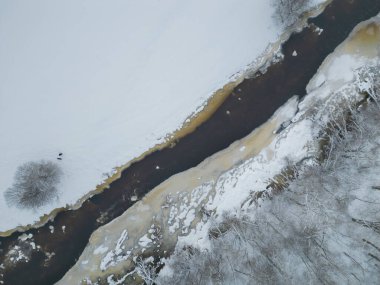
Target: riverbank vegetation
<point>34,185</point>
<point>323,227</point>
<point>287,12</point>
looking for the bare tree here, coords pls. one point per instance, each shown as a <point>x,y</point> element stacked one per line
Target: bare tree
<point>34,185</point>
<point>369,82</point>
<point>288,11</point>
<point>146,270</point>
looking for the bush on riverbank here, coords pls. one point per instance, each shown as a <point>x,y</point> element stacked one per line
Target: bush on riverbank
<point>34,185</point>
<point>287,12</point>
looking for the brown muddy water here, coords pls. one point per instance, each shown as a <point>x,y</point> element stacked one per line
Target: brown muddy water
<point>250,105</point>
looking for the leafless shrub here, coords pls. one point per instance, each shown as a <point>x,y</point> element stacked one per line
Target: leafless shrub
<point>146,270</point>
<point>287,12</point>
<point>370,82</point>
<point>34,185</point>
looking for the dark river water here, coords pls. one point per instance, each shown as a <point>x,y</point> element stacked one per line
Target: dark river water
<point>250,105</point>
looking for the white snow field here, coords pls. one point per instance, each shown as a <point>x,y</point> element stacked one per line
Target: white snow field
<point>104,81</point>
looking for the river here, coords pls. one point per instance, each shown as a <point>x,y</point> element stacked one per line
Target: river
<point>249,105</point>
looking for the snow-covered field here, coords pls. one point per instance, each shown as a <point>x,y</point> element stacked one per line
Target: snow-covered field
<point>103,82</point>
<point>217,190</point>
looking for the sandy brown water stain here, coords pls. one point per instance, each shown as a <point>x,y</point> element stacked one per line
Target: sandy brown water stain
<point>366,40</point>
<point>249,105</point>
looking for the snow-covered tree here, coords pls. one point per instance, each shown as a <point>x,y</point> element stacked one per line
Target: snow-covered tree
<point>34,185</point>
<point>287,12</point>
<point>146,270</point>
